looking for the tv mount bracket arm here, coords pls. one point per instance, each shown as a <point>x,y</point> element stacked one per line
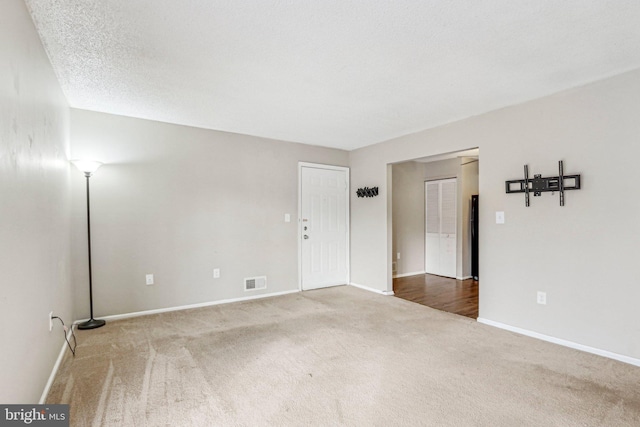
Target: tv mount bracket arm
<point>538,184</point>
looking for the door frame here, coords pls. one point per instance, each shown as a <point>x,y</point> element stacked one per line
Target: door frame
<point>347,215</point>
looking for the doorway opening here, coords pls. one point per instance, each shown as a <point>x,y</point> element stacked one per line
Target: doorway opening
<point>434,249</point>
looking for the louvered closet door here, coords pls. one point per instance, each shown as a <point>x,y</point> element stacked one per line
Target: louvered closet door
<point>440,239</point>
<point>432,240</point>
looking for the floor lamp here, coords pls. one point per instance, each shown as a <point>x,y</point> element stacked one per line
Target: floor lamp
<point>89,167</point>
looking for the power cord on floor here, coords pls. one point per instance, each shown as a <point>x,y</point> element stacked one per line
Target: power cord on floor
<point>66,338</point>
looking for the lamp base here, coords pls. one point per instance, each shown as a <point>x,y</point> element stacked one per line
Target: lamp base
<point>91,324</point>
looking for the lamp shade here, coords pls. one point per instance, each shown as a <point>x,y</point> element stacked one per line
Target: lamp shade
<point>87,166</point>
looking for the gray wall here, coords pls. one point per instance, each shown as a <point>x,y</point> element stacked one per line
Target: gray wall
<point>440,169</point>
<point>589,247</point>
<point>34,209</point>
<point>178,202</point>
<point>408,217</point>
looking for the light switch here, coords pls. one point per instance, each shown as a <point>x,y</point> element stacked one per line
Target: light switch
<point>542,298</point>
<point>149,278</point>
<point>287,217</point>
<point>499,217</point>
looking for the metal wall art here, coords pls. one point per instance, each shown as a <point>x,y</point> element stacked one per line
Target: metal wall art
<point>367,192</point>
<point>538,184</point>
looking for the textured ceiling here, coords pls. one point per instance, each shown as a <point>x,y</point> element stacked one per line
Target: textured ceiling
<point>338,73</point>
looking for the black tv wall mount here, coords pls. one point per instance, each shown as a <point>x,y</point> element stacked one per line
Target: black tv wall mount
<point>538,184</point>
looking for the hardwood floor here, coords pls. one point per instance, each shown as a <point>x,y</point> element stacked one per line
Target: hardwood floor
<point>451,295</point>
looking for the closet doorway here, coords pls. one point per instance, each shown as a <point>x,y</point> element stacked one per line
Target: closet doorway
<point>440,225</point>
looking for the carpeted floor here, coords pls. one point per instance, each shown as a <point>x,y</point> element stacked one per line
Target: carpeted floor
<point>337,356</point>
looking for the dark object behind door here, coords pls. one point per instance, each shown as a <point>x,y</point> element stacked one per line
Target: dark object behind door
<point>474,237</point>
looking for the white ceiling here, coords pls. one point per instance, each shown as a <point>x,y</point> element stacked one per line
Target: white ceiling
<point>337,73</point>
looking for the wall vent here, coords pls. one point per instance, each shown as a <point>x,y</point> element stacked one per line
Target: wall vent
<point>254,283</point>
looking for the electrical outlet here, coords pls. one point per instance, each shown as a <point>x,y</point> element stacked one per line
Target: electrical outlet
<point>50,321</point>
<point>542,297</point>
<point>216,273</point>
<point>149,279</point>
<point>398,257</point>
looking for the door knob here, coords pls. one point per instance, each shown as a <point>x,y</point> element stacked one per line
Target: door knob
<point>306,237</point>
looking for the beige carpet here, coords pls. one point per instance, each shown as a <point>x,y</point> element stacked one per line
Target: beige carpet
<point>338,356</point>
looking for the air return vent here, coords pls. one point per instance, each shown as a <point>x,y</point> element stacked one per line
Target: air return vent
<point>253,283</point>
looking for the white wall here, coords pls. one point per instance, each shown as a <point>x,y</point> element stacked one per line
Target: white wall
<point>34,209</point>
<point>583,255</point>
<point>178,202</point>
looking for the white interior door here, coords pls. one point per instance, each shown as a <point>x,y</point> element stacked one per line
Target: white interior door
<point>440,227</point>
<point>323,222</point>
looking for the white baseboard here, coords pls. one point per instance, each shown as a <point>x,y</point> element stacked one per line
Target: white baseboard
<point>415,273</point>
<point>464,278</point>
<point>565,343</point>
<point>367,288</point>
<point>56,366</point>
<point>186,307</point>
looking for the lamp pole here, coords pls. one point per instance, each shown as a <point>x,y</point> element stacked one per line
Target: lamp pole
<point>88,168</point>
